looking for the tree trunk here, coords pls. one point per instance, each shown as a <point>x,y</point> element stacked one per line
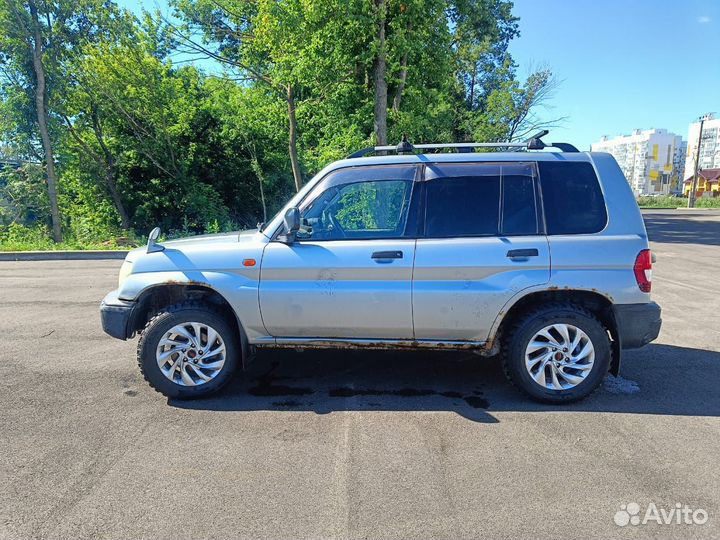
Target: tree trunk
<point>401,86</point>
<point>379,71</point>
<point>111,181</point>
<point>403,76</point>
<point>42,118</point>
<point>471,101</point>
<point>261,180</point>
<point>292,145</point>
<point>112,172</point>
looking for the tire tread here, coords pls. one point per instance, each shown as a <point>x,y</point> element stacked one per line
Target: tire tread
<point>515,326</point>
<point>168,310</point>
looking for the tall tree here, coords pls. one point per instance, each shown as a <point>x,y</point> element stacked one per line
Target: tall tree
<point>277,44</point>
<point>41,109</point>
<point>380,73</point>
<point>37,40</point>
<point>24,43</point>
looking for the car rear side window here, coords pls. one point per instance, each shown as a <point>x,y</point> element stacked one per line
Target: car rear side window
<point>572,198</point>
<point>480,199</point>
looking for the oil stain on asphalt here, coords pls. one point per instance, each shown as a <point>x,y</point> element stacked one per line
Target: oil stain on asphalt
<point>267,387</point>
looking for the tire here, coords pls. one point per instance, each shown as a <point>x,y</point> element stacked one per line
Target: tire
<point>182,356</point>
<point>523,362</point>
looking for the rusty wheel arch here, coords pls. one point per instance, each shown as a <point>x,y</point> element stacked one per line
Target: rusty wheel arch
<point>157,297</point>
<point>598,304</point>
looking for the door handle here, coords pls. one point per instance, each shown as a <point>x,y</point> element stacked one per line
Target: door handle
<point>522,253</point>
<point>387,255</point>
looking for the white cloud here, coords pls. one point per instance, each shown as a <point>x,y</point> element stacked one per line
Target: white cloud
<point>704,19</point>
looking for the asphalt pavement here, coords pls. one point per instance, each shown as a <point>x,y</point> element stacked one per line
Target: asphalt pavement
<point>344,444</point>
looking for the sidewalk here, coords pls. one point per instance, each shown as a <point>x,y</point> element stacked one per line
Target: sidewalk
<point>63,255</point>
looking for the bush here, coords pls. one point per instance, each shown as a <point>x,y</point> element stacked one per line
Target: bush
<point>662,202</point>
<point>16,237</point>
<point>708,202</point>
<point>675,202</point>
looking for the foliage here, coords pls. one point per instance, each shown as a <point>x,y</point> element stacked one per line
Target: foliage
<point>677,202</point>
<point>142,137</point>
<point>17,237</point>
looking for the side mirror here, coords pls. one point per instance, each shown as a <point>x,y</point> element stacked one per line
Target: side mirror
<point>152,245</point>
<point>292,225</point>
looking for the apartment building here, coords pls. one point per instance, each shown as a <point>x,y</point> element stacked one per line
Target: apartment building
<point>651,159</point>
<point>709,147</point>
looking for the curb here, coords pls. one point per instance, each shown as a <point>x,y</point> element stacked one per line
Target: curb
<point>88,255</point>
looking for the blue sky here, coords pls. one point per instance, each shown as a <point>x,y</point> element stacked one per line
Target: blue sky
<point>623,64</point>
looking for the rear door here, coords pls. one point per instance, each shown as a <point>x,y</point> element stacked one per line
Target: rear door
<point>483,242</point>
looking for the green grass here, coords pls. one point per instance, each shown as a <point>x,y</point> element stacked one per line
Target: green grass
<point>52,246</point>
<point>675,202</point>
<point>21,238</point>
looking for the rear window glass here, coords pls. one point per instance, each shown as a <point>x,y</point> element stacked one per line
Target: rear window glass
<point>572,198</point>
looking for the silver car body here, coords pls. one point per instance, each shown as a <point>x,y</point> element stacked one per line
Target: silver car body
<point>441,293</point>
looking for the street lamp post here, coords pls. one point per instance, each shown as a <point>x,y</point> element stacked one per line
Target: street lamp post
<point>693,184</point>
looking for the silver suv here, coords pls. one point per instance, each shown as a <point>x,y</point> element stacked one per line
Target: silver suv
<point>539,256</point>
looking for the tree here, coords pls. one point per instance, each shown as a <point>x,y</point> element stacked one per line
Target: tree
<point>38,41</point>
<point>510,109</point>
<point>379,73</point>
<point>107,117</point>
<point>277,44</point>
<point>24,44</point>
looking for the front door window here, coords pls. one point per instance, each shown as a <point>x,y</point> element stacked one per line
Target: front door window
<point>363,210</point>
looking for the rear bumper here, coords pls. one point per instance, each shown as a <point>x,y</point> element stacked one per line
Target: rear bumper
<point>115,315</point>
<point>638,324</point>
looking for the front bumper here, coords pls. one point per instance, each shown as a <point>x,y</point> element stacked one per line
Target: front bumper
<point>637,324</point>
<point>115,315</point>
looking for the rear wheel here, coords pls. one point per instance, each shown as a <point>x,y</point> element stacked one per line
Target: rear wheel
<point>188,350</point>
<point>557,354</point>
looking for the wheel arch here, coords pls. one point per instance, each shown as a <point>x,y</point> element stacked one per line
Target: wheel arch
<point>155,297</point>
<point>597,303</point>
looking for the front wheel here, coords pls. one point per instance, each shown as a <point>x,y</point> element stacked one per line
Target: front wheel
<point>188,350</point>
<point>557,354</point>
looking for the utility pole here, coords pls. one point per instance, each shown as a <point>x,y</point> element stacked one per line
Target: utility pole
<point>693,184</point>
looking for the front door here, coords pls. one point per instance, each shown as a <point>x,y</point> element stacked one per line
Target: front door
<point>349,273</point>
<point>482,243</point>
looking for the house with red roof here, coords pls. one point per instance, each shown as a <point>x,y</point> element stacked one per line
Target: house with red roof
<point>708,183</point>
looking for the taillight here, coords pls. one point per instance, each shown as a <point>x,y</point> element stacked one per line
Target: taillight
<point>643,270</point>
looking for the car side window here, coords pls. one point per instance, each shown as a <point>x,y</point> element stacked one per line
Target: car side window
<point>572,198</point>
<point>519,208</point>
<point>480,199</point>
<point>371,209</point>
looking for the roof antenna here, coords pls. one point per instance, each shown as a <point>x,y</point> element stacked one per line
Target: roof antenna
<point>404,147</point>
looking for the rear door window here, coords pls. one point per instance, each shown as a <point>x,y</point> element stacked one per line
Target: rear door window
<point>480,199</point>
<point>572,198</point>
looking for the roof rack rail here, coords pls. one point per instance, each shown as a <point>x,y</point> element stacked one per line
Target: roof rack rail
<point>405,147</point>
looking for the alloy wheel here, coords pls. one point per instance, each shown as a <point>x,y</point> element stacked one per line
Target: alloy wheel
<point>191,354</point>
<point>559,357</point>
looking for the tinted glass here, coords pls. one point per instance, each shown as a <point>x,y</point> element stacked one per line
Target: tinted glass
<point>519,215</point>
<point>462,200</point>
<point>572,198</point>
<point>361,210</point>
<point>465,200</point>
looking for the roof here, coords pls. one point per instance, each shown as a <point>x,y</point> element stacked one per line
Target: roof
<point>711,175</point>
<point>461,157</point>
